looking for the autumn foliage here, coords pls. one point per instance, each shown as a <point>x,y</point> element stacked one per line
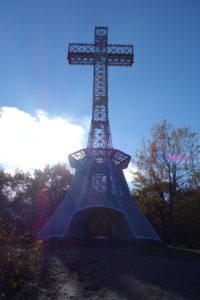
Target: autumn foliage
<point>167,183</point>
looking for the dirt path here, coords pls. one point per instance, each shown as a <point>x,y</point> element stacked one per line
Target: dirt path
<point>119,272</point>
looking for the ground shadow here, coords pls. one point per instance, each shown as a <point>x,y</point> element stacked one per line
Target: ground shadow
<point>121,271</point>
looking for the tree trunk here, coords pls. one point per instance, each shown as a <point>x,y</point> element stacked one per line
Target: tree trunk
<point>171,228</point>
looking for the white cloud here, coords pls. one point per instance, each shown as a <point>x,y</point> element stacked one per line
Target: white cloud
<point>29,142</point>
<point>128,173</point>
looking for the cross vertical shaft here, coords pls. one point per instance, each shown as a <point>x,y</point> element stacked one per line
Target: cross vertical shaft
<point>99,136</point>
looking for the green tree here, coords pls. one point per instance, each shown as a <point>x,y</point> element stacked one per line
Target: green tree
<point>28,200</point>
<point>5,186</point>
<point>48,189</point>
<point>166,164</point>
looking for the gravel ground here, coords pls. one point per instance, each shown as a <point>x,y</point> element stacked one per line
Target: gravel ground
<point>119,272</point>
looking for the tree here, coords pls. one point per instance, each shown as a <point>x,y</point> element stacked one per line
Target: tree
<point>5,186</point>
<point>25,200</point>
<point>48,189</point>
<point>167,164</point>
<point>28,200</point>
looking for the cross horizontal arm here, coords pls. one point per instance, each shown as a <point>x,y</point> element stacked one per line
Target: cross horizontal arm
<point>81,54</point>
<point>115,55</point>
<point>120,55</point>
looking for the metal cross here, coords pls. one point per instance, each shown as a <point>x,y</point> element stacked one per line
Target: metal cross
<point>100,55</point>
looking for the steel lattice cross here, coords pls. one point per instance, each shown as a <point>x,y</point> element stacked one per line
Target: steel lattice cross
<point>99,203</point>
<point>100,55</point>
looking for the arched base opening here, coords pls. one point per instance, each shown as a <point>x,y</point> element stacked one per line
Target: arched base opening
<point>99,222</point>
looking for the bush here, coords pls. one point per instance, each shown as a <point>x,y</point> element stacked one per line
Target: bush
<point>19,265</point>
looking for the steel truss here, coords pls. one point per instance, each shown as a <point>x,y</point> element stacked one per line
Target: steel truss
<point>101,55</point>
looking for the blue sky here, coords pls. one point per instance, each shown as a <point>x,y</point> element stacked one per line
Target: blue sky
<point>164,82</point>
